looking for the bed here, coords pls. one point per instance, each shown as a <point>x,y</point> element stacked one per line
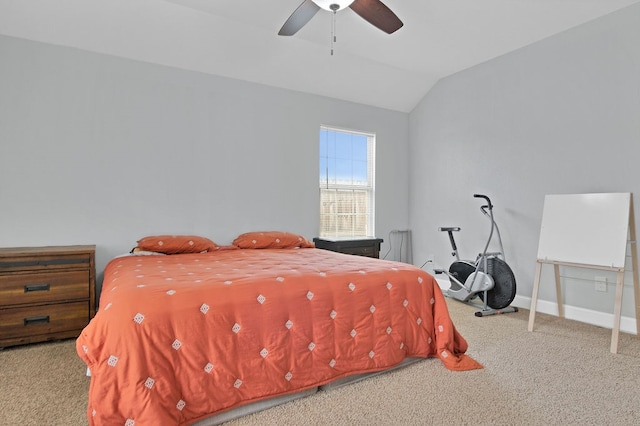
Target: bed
<point>184,335</point>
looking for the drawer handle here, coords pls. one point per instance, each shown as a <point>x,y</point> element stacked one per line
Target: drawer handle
<point>36,287</point>
<point>36,320</point>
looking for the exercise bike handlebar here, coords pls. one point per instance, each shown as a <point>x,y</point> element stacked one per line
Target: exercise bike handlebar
<point>489,205</point>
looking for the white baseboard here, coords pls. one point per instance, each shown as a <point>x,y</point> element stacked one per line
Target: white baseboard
<point>588,316</point>
<point>600,319</point>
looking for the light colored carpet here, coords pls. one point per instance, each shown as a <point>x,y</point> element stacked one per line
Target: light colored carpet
<point>561,374</point>
<point>43,384</point>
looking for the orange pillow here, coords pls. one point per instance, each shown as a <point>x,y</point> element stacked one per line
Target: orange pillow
<point>271,239</point>
<point>176,244</point>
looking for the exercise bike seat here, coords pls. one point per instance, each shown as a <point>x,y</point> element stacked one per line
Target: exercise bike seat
<point>454,228</point>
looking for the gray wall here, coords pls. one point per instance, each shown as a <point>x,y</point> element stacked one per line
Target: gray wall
<point>100,150</point>
<point>559,116</point>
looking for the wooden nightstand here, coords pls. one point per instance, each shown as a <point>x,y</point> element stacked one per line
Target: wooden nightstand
<point>369,247</point>
<point>46,293</point>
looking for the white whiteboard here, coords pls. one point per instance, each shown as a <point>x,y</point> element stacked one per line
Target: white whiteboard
<point>588,229</point>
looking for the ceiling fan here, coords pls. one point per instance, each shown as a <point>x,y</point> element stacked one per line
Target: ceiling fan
<point>372,11</point>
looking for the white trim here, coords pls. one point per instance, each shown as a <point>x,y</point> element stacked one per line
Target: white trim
<point>588,316</point>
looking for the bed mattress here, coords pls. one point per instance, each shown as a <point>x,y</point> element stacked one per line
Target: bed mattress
<point>182,337</point>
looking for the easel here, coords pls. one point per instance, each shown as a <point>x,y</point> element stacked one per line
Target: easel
<point>588,231</point>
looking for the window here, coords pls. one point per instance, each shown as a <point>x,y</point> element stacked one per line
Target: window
<point>346,183</point>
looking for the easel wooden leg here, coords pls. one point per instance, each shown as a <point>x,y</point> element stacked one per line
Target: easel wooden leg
<point>615,333</point>
<point>636,286</point>
<point>634,263</point>
<point>556,271</point>
<point>534,296</point>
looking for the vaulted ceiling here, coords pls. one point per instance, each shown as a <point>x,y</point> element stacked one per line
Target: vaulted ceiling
<point>238,39</point>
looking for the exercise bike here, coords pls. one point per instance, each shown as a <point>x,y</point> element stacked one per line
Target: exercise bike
<point>488,277</point>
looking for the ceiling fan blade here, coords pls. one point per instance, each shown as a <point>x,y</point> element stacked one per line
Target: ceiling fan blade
<point>377,14</point>
<point>299,18</point>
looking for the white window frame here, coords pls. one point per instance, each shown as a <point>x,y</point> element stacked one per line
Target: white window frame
<point>330,223</point>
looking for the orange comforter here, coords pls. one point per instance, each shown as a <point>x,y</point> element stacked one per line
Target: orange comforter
<point>180,337</point>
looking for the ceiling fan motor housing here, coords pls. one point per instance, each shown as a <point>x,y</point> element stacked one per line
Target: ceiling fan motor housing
<point>333,5</point>
<point>372,11</point>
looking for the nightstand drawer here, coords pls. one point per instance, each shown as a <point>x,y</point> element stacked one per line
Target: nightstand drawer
<point>39,287</point>
<point>360,251</point>
<point>369,247</point>
<point>46,293</point>
<point>45,319</point>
